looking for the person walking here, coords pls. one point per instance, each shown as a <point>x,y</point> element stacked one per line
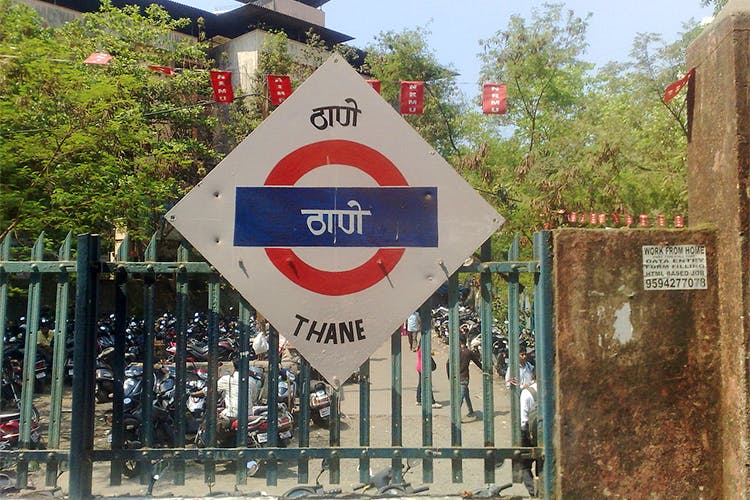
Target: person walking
<point>413,329</point>
<point>529,432</point>
<point>465,357</point>
<point>435,404</point>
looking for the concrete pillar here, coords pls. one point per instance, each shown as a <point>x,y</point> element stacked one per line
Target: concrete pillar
<point>718,161</point>
<point>638,377</point>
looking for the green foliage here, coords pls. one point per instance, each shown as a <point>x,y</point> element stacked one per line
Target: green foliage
<point>541,62</point>
<point>407,56</point>
<point>578,140</point>
<point>86,147</point>
<point>717,4</point>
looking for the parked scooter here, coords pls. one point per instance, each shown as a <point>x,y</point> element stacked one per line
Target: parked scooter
<point>491,491</point>
<point>196,399</point>
<point>105,379</point>
<point>382,482</point>
<point>312,491</point>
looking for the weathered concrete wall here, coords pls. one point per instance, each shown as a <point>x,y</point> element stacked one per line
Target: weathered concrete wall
<point>638,371</point>
<point>718,161</point>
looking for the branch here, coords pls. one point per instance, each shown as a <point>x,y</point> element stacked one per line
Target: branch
<point>445,118</point>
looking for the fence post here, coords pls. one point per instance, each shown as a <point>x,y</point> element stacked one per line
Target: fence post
<point>397,417</point>
<point>545,347</point>
<point>488,398</point>
<point>82,427</point>
<point>29,358</point>
<point>425,344</point>
<point>58,361</point>
<point>454,383</point>
<point>4,256</point>
<point>118,364</point>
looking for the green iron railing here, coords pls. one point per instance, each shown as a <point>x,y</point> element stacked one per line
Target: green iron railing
<point>88,269</point>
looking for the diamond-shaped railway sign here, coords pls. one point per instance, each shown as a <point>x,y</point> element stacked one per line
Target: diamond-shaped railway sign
<point>335,219</point>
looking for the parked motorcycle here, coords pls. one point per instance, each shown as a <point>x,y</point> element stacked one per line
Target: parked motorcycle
<point>14,351</point>
<point>10,431</point>
<point>257,432</point>
<point>257,429</point>
<point>320,405</point>
<point>162,420</point>
<point>10,417</point>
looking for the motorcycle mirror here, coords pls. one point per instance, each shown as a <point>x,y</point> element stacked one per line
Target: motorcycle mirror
<point>324,465</point>
<point>411,462</point>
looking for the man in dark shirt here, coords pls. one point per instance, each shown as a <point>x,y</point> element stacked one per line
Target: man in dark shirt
<point>465,356</point>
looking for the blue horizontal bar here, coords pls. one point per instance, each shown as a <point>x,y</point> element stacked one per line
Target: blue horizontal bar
<point>272,216</point>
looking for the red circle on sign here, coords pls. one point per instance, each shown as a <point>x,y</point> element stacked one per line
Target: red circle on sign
<point>335,152</point>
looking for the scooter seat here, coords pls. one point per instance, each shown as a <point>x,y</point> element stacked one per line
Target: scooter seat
<point>255,420</point>
<point>8,415</point>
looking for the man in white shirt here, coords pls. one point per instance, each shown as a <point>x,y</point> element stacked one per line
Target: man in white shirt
<point>525,372</point>
<point>528,401</point>
<point>229,389</point>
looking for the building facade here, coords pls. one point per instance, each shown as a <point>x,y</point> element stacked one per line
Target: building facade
<point>237,35</point>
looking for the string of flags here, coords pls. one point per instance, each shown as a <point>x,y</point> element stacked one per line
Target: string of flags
<point>494,95</point>
<point>280,88</point>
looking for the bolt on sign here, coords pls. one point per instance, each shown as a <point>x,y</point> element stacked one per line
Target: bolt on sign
<point>335,219</point>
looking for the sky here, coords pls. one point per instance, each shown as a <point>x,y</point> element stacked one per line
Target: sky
<point>457,26</point>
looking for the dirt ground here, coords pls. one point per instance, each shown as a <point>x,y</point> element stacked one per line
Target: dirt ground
<point>380,435</point>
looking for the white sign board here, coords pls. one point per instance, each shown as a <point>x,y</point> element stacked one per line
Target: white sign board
<point>335,219</point>
<point>674,267</point>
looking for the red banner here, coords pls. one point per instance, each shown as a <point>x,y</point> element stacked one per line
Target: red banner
<point>279,88</point>
<point>221,81</point>
<point>494,98</point>
<point>163,69</point>
<point>375,84</point>
<point>412,98</point>
<point>674,88</point>
<point>98,58</point>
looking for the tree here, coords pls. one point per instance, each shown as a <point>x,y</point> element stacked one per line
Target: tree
<point>575,140</point>
<point>636,144</point>
<point>87,147</point>
<point>541,62</point>
<point>718,4</point>
<point>406,56</point>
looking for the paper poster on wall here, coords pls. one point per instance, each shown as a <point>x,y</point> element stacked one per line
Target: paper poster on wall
<point>674,267</point>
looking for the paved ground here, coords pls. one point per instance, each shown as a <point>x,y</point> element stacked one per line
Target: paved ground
<point>380,433</point>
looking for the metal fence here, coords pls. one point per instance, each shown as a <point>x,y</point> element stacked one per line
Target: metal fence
<point>89,273</point>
